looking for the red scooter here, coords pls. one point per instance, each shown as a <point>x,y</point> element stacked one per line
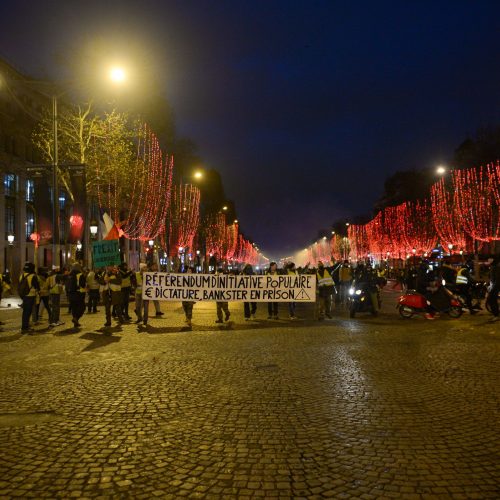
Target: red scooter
<point>442,300</point>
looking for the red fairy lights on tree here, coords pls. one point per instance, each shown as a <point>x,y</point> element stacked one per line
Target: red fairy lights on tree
<point>216,234</point>
<point>477,201</point>
<point>446,220</point>
<point>356,233</point>
<point>231,241</point>
<point>183,217</point>
<point>141,215</point>
<point>417,226</point>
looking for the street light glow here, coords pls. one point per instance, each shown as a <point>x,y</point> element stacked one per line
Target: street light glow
<point>117,74</point>
<point>198,174</point>
<point>224,207</point>
<point>441,170</point>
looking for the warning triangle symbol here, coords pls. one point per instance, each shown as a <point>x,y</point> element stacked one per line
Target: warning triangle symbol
<point>302,295</point>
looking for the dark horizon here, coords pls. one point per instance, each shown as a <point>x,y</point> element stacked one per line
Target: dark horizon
<point>305,109</point>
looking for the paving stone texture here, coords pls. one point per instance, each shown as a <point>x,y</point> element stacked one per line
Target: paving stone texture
<point>365,408</point>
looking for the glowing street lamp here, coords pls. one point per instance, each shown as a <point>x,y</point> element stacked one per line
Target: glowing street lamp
<point>198,175</point>
<point>10,239</point>
<point>441,170</point>
<point>224,207</point>
<point>117,74</point>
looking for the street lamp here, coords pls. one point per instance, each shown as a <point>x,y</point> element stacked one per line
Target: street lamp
<point>198,175</point>
<point>224,207</point>
<point>450,247</point>
<point>93,229</point>
<point>117,74</point>
<point>441,170</point>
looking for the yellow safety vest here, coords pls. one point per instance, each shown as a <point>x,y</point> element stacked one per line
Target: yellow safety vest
<point>326,280</point>
<point>126,280</point>
<point>138,279</point>
<point>55,288</point>
<point>461,279</point>
<point>345,273</point>
<point>113,285</point>
<point>29,277</point>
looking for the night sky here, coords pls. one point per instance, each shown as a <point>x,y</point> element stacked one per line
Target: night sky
<point>304,107</point>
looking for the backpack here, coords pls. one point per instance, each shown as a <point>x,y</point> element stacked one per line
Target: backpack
<point>24,288</point>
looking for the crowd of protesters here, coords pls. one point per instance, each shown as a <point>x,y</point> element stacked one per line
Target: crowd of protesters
<point>113,287</point>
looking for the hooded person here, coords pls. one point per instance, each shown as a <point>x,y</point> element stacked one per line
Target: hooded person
<point>76,290</point>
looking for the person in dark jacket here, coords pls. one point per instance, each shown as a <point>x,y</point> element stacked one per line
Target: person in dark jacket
<point>250,308</point>
<point>76,289</point>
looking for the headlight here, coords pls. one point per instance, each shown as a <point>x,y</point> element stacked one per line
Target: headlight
<point>351,291</point>
<point>358,292</point>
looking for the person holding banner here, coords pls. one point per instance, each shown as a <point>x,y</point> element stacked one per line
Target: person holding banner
<point>250,308</point>
<point>222,307</point>
<point>272,307</point>
<point>140,304</point>
<point>188,305</point>
<point>291,305</point>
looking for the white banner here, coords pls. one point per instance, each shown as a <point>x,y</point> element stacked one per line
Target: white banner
<point>229,288</point>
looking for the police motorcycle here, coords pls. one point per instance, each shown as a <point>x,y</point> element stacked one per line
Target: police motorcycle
<point>364,295</point>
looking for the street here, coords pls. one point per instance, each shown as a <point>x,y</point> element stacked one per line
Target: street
<point>365,408</point>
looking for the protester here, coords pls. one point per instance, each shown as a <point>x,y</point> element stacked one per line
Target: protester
<point>188,305</point>
<point>141,306</point>
<point>55,283</point>
<point>326,288</point>
<point>126,286</point>
<point>93,292</point>
<point>27,289</point>
<point>291,271</point>
<point>272,307</point>
<point>76,290</point>
<point>222,307</point>
<point>43,295</point>
<point>345,280</point>
<point>250,308</point>
<point>156,303</point>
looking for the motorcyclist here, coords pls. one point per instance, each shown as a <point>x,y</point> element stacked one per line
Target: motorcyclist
<point>366,278</point>
<point>464,283</point>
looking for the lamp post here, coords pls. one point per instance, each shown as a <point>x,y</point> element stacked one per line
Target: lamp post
<point>10,239</point>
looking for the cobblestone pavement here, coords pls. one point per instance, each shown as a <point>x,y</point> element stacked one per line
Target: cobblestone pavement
<point>365,408</point>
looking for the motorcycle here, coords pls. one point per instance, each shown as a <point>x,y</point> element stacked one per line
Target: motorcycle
<point>443,300</point>
<point>360,299</point>
<point>478,292</point>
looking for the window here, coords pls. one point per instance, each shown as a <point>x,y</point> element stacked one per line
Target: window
<point>62,200</point>
<point>30,189</point>
<point>10,217</point>
<point>63,226</point>
<point>10,184</point>
<point>30,223</point>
